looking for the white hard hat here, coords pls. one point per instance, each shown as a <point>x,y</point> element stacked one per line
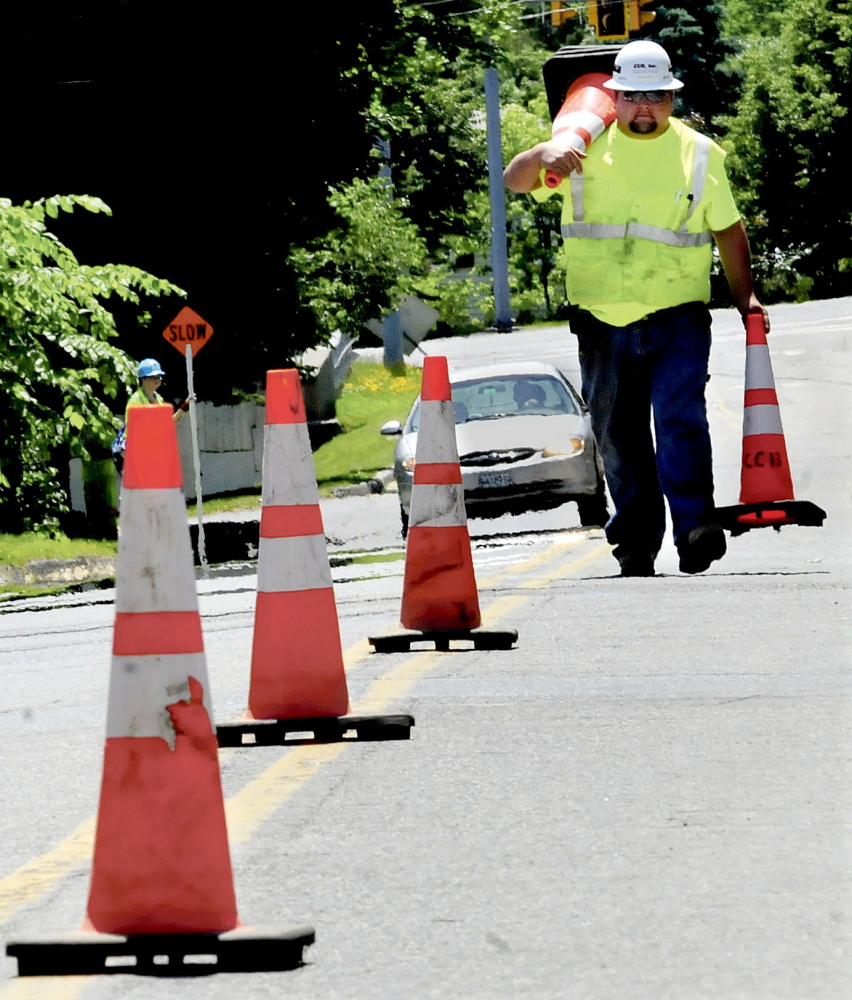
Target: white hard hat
<point>643,66</point>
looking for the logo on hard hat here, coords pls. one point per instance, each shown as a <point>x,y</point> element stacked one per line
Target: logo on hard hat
<point>643,65</point>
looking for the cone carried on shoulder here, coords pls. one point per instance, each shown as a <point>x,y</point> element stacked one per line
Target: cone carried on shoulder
<point>766,483</point>
<point>298,682</point>
<point>440,599</point>
<point>162,885</point>
<point>589,108</point>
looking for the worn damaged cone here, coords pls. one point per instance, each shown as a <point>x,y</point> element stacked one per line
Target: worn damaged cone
<point>298,691</point>
<point>767,499</point>
<point>161,899</point>
<point>440,600</point>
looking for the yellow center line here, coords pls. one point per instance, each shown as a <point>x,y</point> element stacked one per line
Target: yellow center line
<point>552,552</point>
<point>41,874</point>
<point>45,988</point>
<point>357,652</point>
<point>724,411</point>
<point>561,571</point>
<point>247,810</point>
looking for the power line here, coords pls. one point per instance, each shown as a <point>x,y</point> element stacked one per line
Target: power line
<point>524,17</point>
<point>578,6</point>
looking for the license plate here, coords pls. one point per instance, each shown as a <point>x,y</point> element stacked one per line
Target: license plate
<point>495,479</point>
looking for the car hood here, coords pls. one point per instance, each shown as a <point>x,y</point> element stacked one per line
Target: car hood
<point>533,431</point>
<point>508,433</point>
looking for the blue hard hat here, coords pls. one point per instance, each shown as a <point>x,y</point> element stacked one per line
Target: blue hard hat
<point>149,367</point>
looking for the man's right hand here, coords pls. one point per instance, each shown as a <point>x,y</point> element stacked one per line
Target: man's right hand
<point>561,161</point>
<point>523,173</point>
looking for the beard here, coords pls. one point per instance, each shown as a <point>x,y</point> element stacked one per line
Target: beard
<point>645,127</point>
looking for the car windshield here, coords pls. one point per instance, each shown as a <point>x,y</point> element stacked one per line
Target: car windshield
<point>507,396</point>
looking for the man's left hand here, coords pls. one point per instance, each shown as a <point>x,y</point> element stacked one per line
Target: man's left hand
<point>752,305</point>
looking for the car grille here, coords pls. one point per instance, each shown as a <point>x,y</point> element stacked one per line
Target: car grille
<point>518,490</point>
<point>485,458</point>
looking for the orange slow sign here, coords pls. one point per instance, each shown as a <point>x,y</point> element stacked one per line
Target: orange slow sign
<point>188,328</point>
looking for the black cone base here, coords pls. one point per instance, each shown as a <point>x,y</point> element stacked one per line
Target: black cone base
<point>771,514</point>
<point>293,732</point>
<point>81,953</point>
<point>400,641</point>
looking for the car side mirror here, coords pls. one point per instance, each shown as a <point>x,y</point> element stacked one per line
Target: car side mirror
<point>393,428</point>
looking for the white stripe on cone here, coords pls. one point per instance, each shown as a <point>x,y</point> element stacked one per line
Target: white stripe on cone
<point>142,687</point>
<point>434,444</point>
<point>758,372</point>
<point>437,506</point>
<point>588,120</point>
<point>290,477</point>
<point>762,419</point>
<point>159,574</point>
<point>299,562</point>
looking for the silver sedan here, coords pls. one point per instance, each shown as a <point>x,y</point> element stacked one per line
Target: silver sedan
<point>525,442</point>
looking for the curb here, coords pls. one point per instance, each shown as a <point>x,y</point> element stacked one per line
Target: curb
<point>43,572</point>
<point>231,539</point>
<point>378,484</point>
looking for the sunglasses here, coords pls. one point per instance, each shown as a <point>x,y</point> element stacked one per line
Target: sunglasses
<point>645,96</point>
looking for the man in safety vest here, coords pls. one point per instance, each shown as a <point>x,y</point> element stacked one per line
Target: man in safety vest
<point>640,212</point>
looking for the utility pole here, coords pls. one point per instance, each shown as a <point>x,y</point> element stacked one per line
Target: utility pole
<point>499,252</point>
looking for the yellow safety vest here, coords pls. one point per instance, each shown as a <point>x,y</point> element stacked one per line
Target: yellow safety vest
<point>140,399</point>
<point>637,222</point>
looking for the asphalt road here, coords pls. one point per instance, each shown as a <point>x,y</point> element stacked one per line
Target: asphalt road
<point>649,797</point>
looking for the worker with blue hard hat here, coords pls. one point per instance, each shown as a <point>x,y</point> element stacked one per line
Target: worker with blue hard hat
<point>150,368</point>
<point>150,379</point>
<point>150,376</point>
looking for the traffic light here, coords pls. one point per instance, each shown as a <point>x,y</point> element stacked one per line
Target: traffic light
<point>638,17</point>
<point>559,13</point>
<point>610,19</point>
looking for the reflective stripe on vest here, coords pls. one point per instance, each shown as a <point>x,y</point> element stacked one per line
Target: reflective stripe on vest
<point>579,229</point>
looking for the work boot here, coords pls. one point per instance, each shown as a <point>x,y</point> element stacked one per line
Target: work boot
<point>700,547</point>
<point>637,564</point>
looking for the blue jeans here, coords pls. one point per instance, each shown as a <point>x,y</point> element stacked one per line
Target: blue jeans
<point>657,366</point>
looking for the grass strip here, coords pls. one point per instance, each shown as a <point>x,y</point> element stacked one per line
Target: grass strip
<point>370,397</point>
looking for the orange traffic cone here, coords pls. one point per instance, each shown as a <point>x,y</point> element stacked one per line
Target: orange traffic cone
<point>298,683</point>
<point>162,888</point>
<point>766,484</point>
<point>440,599</point>
<point>588,109</point>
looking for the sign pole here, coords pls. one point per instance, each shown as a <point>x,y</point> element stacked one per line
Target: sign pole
<point>196,461</point>
<point>188,333</point>
<point>499,250</point>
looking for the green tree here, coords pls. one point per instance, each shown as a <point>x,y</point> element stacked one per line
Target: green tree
<point>58,369</point>
<point>694,37</point>
<point>428,70</point>
<point>535,256</point>
<point>787,158</point>
<point>426,67</point>
<point>360,269</point>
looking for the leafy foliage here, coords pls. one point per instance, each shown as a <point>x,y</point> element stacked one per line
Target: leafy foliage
<point>275,262</point>
<point>536,261</point>
<point>363,266</point>
<point>371,396</point>
<point>428,71</point>
<point>58,369</point>
<point>787,159</point>
<point>693,35</point>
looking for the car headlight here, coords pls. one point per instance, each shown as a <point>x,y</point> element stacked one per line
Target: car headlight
<point>408,464</point>
<point>573,446</point>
